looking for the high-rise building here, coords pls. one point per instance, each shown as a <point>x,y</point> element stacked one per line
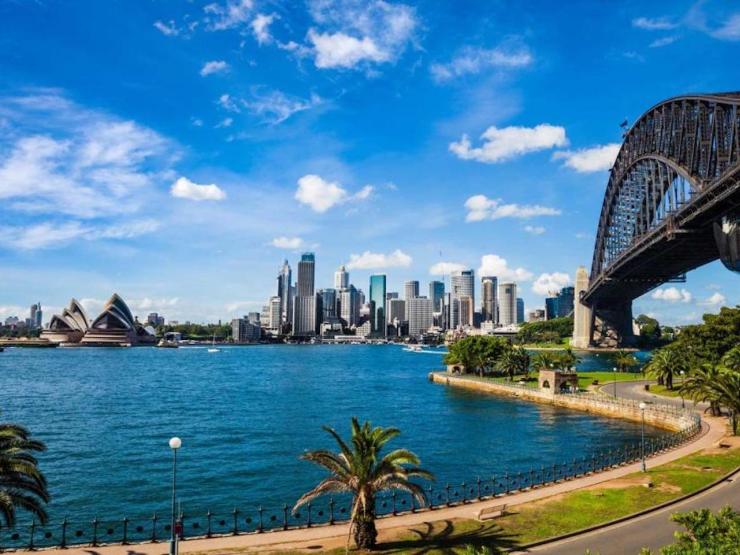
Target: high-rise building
<point>561,304</point>
<point>243,331</point>
<point>396,310</point>
<point>377,301</point>
<point>304,309</point>
<point>437,294</point>
<point>466,311</point>
<point>391,295</point>
<point>488,286</point>
<point>35,316</point>
<point>410,289</point>
<point>519,310</point>
<point>507,304</point>
<point>254,318</point>
<point>153,319</point>
<point>451,312</point>
<point>420,317</point>
<point>274,320</point>
<point>341,279</point>
<point>350,306</point>
<point>285,292</point>
<point>328,308</point>
<point>462,284</point>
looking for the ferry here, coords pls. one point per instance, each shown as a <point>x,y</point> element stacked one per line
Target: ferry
<point>171,340</point>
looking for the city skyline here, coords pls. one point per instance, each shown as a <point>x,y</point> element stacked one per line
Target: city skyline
<point>184,177</point>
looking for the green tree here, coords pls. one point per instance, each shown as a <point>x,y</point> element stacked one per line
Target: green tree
<point>548,331</point>
<point>625,361</point>
<point>566,359</point>
<point>731,359</point>
<point>544,360</point>
<point>699,386</point>
<point>706,533</point>
<point>22,485</point>
<point>708,342</point>
<point>664,364</point>
<point>650,331</point>
<point>359,470</point>
<point>513,362</point>
<point>477,353</point>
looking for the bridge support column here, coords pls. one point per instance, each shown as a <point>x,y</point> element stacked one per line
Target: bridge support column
<point>612,325</point>
<point>582,319</point>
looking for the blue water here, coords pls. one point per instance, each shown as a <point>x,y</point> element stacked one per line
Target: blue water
<point>245,415</point>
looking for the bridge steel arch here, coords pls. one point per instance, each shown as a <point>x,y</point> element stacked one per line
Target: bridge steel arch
<point>675,180</point>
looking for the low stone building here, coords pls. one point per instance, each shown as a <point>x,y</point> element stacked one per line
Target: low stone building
<point>558,381</point>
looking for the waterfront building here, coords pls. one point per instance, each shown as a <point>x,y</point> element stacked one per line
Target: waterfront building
<point>36,316</point>
<point>116,326</point>
<point>437,294</point>
<point>519,310</point>
<point>462,284</point>
<point>285,292</point>
<point>328,305</point>
<point>350,306</point>
<point>466,311</point>
<point>274,320</point>
<point>489,284</point>
<point>377,303</point>
<point>304,302</point>
<point>364,327</point>
<point>410,289</point>
<point>507,303</point>
<point>69,326</point>
<point>254,318</point>
<point>244,331</point>
<point>419,310</point>
<point>341,279</point>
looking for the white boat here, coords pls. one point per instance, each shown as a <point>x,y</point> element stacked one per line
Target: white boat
<point>213,348</point>
<point>413,348</point>
<point>171,340</point>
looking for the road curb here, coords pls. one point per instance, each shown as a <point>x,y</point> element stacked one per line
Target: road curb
<point>595,527</point>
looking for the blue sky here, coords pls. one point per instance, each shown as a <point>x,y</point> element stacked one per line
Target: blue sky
<point>177,152</point>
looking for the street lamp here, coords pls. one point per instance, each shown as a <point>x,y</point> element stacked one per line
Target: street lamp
<point>683,403</point>
<point>643,406</point>
<point>175,444</point>
<point>615,381</point>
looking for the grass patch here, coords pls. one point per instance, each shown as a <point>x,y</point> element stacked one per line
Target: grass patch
<point>586,379</point>
<point>661,390</point>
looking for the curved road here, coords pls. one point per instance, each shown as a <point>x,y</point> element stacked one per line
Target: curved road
<point>653,530</point>
<point>636,390</point>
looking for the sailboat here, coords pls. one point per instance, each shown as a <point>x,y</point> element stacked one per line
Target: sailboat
<point>213,348</point>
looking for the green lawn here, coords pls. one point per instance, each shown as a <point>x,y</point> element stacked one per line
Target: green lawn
<point>585,379</point>
<point>661,390</point>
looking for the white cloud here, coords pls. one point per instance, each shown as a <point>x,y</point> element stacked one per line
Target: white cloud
<point>168,28</point>
<point>374,261</point>
<point>197,122</point>
<point>321,195</point>
<point>494,265</point>
<point>474,60</point>
<point>48,235</point>
<point>730,29</point>
<point>506,143</point>
<point>716,299</point>
<point>287,242</point>
<point>234,13</point>
<point>654,24</point>
<point>587,160</point>
<point>672,295</point>
<point>228,103</point>
<point>480,207</point>
<point>184,188</point>
<point>665,41</point>
<point>446,268</point>
<point>243,305</point>
<point>76,161</point>
<point>214,66</point>
<point>551,284</point>
<point>534,229</point>
<point>276,106</point>
<point>354,34</point>
<point>261,27</point>
<point>226,122</point>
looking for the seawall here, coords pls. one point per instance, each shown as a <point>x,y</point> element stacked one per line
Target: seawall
<point>660,416</point>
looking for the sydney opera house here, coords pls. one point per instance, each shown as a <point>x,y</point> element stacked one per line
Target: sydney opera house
<point>115,327</point>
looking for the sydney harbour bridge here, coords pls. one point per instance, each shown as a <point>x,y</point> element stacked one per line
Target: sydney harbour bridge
<point>672,204</point>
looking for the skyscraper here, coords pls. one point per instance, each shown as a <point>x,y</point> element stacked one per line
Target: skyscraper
<point>328,305</point>
<point>304,310</point>
<point>410,290</point>
<point>350,306</point>
<point>488,285</point>
<point>420,315</point>
<point>377,300</point>
<point>341,279</point>
<point>463,285</point>
<point>36,315</point>
<point>519,310</point>
<point>286,295</point>
<point>437,294</point>
<point>507,304</point>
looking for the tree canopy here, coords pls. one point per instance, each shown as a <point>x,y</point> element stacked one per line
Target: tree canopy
<point>548,331</point>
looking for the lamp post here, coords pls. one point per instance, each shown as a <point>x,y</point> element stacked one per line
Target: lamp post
<point>683,403</point>
<point>643,406</point>
<point>175,444</point>
<point>615,381</point>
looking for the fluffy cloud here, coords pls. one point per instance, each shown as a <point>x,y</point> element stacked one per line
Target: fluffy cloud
<point>376,261</point>
<point>168,29</point>
<point>550,284</point>
<point>480,207</point>
<point>49,235</point>
<point>494,265</point>
<point>654,24</point>
<point>261,27</point>
<point>234,13</point>
<point>352,34</point>
<point>275,106</point>
<point>474,60</point>
<point>77,161</point>
<point>672,295</point>
<point>587,160</point>
<point>184,188</point>
<point>287,242</point>
<point>321,195</point>
<point>506,143</point>
<point>730,29</point>
<point>716,299</point>
<point>665,41</point>
<point>534,229</point>
<point>446,268</point>
<point>215,66</point>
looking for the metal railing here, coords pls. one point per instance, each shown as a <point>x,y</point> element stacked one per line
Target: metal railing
<point>326,512</point>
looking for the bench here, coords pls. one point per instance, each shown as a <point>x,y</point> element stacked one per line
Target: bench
<point>492,512</point>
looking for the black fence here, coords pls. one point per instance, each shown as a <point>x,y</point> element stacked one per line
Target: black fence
<point>324,512</point>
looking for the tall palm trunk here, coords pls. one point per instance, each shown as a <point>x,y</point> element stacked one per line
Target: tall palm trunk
<point>366,534</point>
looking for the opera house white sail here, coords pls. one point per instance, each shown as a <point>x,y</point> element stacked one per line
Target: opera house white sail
<point>114,327</point>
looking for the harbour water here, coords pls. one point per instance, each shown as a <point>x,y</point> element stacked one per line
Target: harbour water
<point>245,414</point>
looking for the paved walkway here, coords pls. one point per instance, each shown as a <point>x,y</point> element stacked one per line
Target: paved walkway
<point>316,538</point>
<point>635,390</point>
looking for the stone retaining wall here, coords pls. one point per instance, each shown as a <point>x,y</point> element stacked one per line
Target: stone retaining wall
<point>660,416</point>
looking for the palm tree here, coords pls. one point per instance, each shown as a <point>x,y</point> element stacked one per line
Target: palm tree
<point>699,386</point>
<point>664,365</point>
<point>731,359</point>
<point>624,360</point>
<point>727,387</point>
<point>567,359</point>
<point>359,470</point>
<point>543,360</point>
<point>22,485</point>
